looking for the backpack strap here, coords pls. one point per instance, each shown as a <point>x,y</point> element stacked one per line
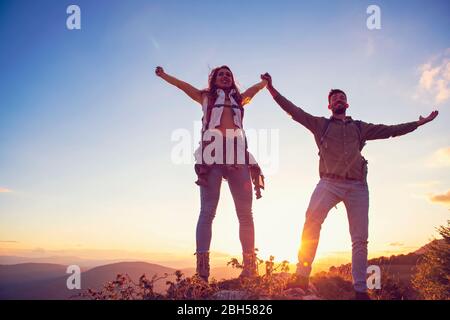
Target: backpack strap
<point>242,115</point>
<point>325,131</point>
<point>207,114</point>
<point>362,142</point>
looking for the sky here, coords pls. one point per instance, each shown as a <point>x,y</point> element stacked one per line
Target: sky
<point>86,128</point>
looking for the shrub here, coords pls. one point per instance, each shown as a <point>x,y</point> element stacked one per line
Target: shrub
<point>432,279</point>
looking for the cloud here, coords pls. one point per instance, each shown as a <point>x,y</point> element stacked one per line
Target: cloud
<point>425,184</point>
<point>396,244</point>
<point>4,190</point>
<point>434,82</point>
<point>8,241</point>
<point>440,158</point>
<point>441,198</point>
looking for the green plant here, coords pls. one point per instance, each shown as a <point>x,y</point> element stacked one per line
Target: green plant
<point>432,277</point>
<point>124,288</point>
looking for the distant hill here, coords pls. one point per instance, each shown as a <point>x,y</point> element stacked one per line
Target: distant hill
<point>29,272</point>
<point>61,260</point>
<point>48,281</point>
<point>425,248</point>
<point>98,276</point>
<point>397,266</point>
<point>396,269</point>
<point>22,281</point>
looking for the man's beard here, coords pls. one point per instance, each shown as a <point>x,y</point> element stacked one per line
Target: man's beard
<point>340,110</point>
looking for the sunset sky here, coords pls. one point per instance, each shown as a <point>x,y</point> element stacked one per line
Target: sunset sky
<point>86,126</point>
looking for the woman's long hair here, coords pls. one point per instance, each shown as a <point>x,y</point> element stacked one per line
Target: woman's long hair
<point>211,91</point>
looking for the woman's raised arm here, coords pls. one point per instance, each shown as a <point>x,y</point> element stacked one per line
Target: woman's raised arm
<point>248,94</point>
<point>191,91</point>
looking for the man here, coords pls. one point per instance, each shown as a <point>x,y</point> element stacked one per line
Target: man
<point>343,173</point>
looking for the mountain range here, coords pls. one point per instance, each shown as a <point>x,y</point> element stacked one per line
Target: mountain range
<point>41,280</point>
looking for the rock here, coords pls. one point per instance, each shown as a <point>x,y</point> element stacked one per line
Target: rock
<point>230,295</point>
<point>311,297</point>
<point>294,292</point>
<point>312,288</point>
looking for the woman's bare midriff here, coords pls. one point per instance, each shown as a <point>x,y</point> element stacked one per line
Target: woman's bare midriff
<point>227,121</point>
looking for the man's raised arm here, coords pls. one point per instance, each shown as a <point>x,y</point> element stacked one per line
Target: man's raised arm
<point>309,121</point>
<point>381,131</point>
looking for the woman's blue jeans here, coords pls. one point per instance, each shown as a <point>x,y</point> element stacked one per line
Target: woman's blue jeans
<point>240,184</point>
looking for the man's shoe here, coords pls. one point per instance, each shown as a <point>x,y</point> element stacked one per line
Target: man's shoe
<point>361,296</point>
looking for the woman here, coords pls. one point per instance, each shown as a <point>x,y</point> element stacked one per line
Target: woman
<point>223,112</point>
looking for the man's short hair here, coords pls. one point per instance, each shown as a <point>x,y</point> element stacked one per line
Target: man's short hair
<point>334,91</point>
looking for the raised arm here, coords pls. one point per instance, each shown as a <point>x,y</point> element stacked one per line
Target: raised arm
<point>381,131</point>
<point>248,94</point>
<point>309,121</point>
<point>191,91</point>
